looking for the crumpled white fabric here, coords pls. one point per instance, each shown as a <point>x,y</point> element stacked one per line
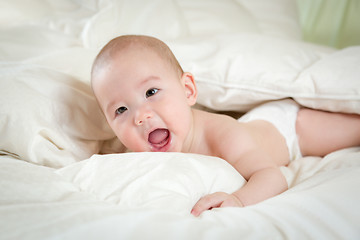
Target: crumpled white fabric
<point>167,181</point>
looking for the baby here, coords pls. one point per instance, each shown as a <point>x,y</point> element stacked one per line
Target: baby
<point>147,100</point>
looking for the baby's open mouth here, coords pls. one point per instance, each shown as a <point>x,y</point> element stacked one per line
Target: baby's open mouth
<point>159,138</point>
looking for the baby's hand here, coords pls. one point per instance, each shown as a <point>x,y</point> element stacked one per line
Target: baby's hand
<point>215,200</point>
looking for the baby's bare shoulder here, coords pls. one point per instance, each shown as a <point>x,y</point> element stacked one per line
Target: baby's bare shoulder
<point>247,143</point>
<point>226,135</point>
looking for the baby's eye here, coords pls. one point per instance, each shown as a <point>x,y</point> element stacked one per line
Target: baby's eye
<point>120,110</point>
<point>151,92</point>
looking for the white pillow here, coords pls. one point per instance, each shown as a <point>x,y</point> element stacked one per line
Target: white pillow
<point>207,17</point>
<point>277,18</point>
<point>333,82</point>
<point>183,18</point>
<point>239,71</point>
<point>167,181</point>
<point>160,18</point>
<point>47,117</point>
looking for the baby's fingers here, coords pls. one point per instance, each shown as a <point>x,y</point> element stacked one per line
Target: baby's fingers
<point>208,202</point>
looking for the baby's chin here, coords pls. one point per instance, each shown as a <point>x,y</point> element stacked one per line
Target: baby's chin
<point>137,148</point>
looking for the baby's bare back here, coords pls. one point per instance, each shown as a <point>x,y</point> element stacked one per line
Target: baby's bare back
<point>231,140</point>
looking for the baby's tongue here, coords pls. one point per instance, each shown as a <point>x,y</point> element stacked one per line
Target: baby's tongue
<point>159,135</point>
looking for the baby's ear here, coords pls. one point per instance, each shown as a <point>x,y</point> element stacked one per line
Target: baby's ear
<point>188,82</point>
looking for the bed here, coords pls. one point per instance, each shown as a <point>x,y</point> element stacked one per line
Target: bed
<point>64,175</point>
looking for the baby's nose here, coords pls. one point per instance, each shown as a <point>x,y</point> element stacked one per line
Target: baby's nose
<point>142,117</point>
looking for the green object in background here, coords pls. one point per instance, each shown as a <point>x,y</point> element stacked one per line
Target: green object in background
<point>334,23</point>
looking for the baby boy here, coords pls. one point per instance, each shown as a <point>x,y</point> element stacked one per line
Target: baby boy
<point>147,100</point>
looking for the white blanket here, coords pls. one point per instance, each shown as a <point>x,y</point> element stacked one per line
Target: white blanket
<point>150,195</point>
<point>55,185</point>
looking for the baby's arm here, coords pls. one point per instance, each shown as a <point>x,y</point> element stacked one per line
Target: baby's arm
<point>261,185</point>
<point>257,155</point>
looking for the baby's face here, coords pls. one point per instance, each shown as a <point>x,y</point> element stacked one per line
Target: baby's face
<point>146,103</point>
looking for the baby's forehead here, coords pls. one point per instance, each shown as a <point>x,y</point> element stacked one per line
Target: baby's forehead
<point>119,52</point>
<point>131,59</point>
<point>112,55</point>
<point>141,49</point>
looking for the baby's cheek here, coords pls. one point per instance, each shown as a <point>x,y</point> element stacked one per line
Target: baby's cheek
<point>133,143</point>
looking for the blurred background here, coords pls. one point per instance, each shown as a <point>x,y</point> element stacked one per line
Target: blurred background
<point>334,23</point>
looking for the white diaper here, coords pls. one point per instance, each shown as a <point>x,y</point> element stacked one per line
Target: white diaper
<point>282,114</point>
